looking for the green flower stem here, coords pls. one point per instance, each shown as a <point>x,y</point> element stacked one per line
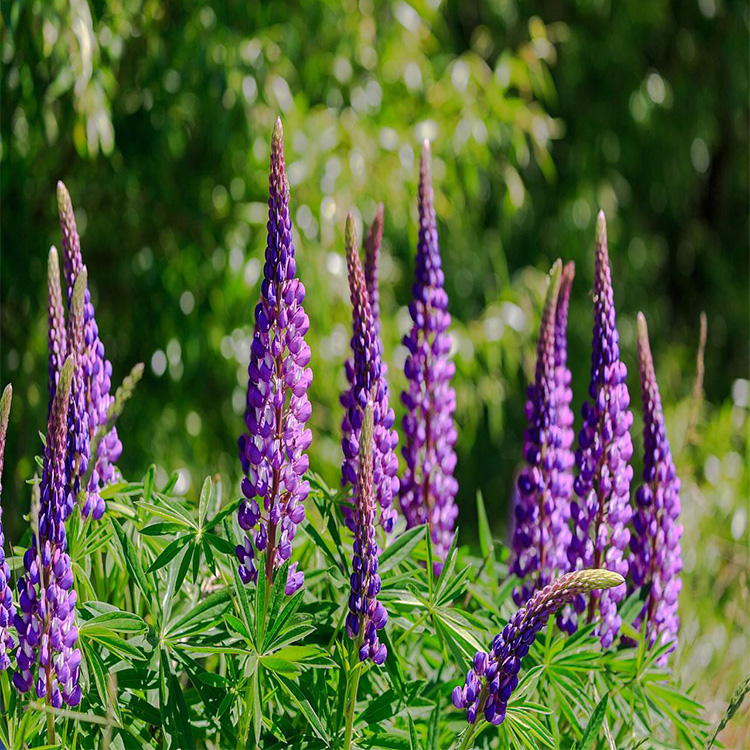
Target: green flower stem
<point>352,687</point>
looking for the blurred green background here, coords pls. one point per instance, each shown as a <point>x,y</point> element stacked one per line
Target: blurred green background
<point>158,116</point>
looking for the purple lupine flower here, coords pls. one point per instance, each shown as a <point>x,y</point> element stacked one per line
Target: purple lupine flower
<point>541,534</point>
<point>601,511</point>
<point>373,243</point>
<point>366,614</point>
<point>563,376</point>
<point>77,458</point>
<point>366,375</point>
<point>97,369</point>
<point>428,489</point>
<point>7,608</point>
<point>494,675</point>
<point>46,654</point>
<point>655,545</point>
<point>272,450</point>
<point>57,339</point>
<point>566,618</point>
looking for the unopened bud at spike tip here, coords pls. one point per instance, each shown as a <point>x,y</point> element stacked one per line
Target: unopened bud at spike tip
<point>277,138</point>
<point>350,234</point>
<point>601,228</point>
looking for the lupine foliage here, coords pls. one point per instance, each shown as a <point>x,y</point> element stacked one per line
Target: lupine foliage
<point>146,620</point>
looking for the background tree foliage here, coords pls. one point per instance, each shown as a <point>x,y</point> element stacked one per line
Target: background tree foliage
<point>158,116</point>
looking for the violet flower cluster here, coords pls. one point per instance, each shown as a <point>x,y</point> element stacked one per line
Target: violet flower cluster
<point>366,614</point>
<point>541,510</point>
<point>46,656</point>
<point>493,677</point>
<point>96,374</point>
<point>366,373</point>
<point>7,608</point>
<point>601,509</point>
<point>272,450</point>
<point>655,545</point>
<point>428,489</point>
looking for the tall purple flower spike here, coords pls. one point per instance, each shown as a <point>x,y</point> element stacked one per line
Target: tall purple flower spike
<point>7,608</point>
<point>541,534</point>
<point>564,419</point>
<point>428,489</point>
<point>46,654</point>
<point>601,509</point>
<point>373,243</point>
<point>97,370</point>
<point>272,449</point>
<point>366,614</point>
<point>366,374</point>
<point>655,545</point>
<point>493,677</point>
<point>79,435</point>
<point>57,339</point>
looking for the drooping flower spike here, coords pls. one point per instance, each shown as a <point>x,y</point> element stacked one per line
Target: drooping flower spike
<point>655,546</point>
<point>601,509</point>
<point>541,535</point>
<point>97,370</point>
<point>273,448</point>
<point>428,489</point>
<point>7,608</point>
<point>46,654</point>
<point>366,374</point>
<point>366,614</point>
<point>57,338</point>
<point>494,675</point>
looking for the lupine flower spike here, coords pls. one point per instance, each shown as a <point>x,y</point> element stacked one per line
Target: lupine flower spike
<point>494,676</point>
<point>428,489</point>
<point>97,370</point>
<point>273,447</point>
<point>563,376</point>
<point>46,654</point>
<point>57,339</point>
<point>366,614</point>
<point>541,535</point>
<point>601,509</point>
<point>7,608</point>
<point>79,435</point>
<point>564,418</point>
<point>367,383</point>
<point>373,243</point>
<point>655,545</point>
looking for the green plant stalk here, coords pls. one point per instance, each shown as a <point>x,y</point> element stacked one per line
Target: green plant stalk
<point>352,688</point>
